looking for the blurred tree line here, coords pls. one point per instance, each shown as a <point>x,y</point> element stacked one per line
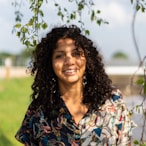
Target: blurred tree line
<point>20,59</point>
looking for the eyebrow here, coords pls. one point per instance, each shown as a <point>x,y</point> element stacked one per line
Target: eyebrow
<point>61,51</point>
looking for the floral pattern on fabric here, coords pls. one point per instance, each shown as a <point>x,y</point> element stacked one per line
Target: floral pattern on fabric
<point>110,125</point>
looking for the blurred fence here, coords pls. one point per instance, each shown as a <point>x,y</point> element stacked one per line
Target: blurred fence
<point>121,76</point>
<point>125,77</point>
<point>9,72</point>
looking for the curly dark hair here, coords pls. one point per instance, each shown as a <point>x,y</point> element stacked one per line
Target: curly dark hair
<point>98,87</point>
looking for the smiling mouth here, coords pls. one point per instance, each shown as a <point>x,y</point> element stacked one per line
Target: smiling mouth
<point>70,71</point>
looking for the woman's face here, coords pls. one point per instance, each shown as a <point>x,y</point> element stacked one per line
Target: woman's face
<point>68,62</point>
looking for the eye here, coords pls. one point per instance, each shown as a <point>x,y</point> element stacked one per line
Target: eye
<point>59,56</point>
<point>76,53</point>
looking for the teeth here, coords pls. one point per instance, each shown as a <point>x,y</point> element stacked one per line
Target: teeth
<point>69,71</point>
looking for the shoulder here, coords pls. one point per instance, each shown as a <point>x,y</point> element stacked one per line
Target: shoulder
<point>117,117</point>
<point>33,111</point>
<point>26,133</point>
<point>116,96</point>
<point>115,102</point>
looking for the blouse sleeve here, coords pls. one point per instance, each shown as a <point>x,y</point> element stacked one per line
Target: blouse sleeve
<point>25,133</point>
<point>123,120</point>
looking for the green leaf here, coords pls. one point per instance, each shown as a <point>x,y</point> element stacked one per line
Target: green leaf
<point>144,87</point>
<point>131,1</point>
<point>18,34</point>
<point>98,22</point>
<point>80,6</point>
<point>34,42</point>
<point>87,32</point>
<point>136,142</point>
<point>39,3</point>
<point>137,7</point>
<point>131,112</point>
<point>106,22</point>
<point>98,12</point>
<point>38,26</point>
<point>73,16</point>
<point>140,81</point>
<point>18,25</point>
<point>56,5</point>
<point>41,13</point>
<point>92,15</point>
<point>18,18</point>
<point>65,9</point>
<point>24,30</point>
<point>44,25</point>
<point>68,21</point>
<point>30,23</point>
<point>142,9</point>
<point>27,43</point>
<point>59,13</point>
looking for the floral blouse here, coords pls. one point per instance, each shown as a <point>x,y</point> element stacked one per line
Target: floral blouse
<point>110,125</point>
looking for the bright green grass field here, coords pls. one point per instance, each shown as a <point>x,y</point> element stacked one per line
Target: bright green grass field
<point>14,100</point>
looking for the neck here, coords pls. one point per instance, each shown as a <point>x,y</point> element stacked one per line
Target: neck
<point>72,96</point>
<point>72,93</point>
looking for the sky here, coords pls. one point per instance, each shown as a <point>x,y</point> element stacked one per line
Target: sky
<point>110,38</point>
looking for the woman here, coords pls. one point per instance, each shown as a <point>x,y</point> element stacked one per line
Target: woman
<point>73,101</point>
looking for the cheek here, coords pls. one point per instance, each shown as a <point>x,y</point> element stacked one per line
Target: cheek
<point>56,67</point>
<point>82,63</point>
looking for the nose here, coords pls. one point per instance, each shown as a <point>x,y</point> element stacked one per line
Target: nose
<point>68,60</point>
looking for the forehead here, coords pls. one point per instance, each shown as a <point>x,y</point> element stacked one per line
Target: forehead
<point>65,42</point>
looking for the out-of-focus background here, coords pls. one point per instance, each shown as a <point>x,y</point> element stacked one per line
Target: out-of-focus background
<point>114,41</point>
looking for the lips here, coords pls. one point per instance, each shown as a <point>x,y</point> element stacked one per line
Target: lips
<point>70,71</point>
